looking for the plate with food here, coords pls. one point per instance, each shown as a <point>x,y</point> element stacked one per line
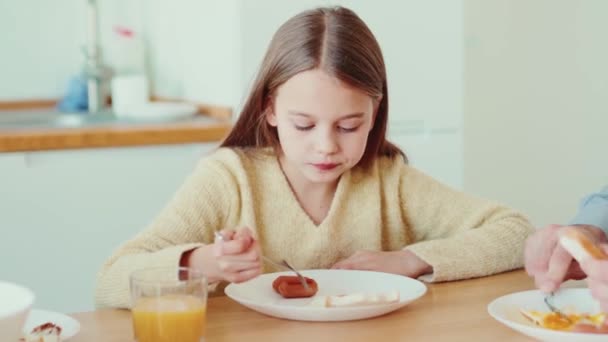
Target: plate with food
<point>527,313</point>
<point>574,316</point>
<point>49,326</point>
<point>329,295</point>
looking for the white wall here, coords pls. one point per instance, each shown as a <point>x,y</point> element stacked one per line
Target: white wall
<point>195,49</point>
<point>536,83</point>
<point>39,47</point>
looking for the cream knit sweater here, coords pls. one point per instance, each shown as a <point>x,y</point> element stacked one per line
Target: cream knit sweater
<point>389,207</point>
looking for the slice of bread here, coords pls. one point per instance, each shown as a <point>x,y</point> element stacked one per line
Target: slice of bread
<point>356,299</point>
<point>580,245</point>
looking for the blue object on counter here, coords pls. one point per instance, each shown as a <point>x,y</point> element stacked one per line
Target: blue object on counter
<point>76,98</point>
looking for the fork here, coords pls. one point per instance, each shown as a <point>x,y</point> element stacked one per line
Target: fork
<point>283,264</point>
<point>553,308</point>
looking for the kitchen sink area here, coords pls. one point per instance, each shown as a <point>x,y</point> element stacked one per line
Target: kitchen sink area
<point>45,127</point>
<point>53,119</point>
<point>46,120</point>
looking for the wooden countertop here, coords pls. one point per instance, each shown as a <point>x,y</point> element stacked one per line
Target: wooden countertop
<point>454,311</point>
<point>211,124</point>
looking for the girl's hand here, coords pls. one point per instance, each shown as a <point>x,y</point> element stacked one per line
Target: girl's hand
<point>402,262</point>
<point>234,258</point>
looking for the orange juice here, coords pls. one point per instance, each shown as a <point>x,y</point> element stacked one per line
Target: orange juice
<point>169,318</point>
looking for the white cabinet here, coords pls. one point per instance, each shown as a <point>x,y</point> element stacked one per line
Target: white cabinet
<point>63,212</point>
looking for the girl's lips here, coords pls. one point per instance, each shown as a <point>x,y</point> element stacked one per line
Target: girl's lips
<point>325,167</point>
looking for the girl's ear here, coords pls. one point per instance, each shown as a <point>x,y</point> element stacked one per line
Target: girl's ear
<point>269,113</point>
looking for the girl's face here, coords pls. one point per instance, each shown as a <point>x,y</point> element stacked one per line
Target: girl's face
<point>322,123</point>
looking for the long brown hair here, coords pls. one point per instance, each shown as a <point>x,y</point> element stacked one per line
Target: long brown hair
<point>335,40</point>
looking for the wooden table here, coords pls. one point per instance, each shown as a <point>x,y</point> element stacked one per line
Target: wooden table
<point>454,311</point>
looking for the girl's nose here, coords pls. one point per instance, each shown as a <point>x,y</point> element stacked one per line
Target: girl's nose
<point>327,143</point>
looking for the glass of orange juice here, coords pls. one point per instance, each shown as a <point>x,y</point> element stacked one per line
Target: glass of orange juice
<point>168,304</point>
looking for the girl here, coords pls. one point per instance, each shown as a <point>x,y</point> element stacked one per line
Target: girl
<point>307,175</point>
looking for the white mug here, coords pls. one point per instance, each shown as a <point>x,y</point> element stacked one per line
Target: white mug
<point>129,92</point>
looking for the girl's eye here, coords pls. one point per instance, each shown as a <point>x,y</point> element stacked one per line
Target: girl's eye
<point>347,129</point>
<point>304,128</point>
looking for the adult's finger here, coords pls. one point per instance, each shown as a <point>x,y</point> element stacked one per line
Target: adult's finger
<point>539,249</point>
<point>558,268</point>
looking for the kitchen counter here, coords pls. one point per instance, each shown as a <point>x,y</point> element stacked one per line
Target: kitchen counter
<point>73,131</point>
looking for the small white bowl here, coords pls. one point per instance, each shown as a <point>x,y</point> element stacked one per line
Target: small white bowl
<point>15,304</point>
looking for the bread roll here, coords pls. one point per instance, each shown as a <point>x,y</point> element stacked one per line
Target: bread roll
<point>580,245</point>
<point>356,299</point>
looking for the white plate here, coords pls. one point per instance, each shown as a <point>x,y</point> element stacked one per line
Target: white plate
<point>259,295</point>
<point>506,310</point>
<point>69,326</point>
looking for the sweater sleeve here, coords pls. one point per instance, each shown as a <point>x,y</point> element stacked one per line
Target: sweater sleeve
<point>593,210</point>
<point>198,208</point>
<point>458,235</point>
